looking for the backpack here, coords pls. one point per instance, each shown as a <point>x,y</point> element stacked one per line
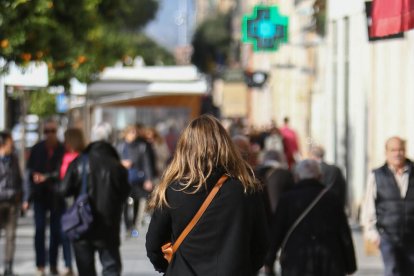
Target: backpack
<point>77,220</point>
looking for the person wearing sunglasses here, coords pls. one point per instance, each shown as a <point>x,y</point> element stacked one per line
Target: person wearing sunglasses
<point>41,186</point>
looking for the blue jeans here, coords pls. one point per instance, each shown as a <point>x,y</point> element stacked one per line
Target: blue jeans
<point>40,212</point>
<point>85,259</point>
<point>67,250</point>
<point>398,258</point>
<point>66,245</point>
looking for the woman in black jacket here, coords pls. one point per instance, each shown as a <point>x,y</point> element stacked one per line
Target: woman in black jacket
<point>230,239</point>
<point>108,188</point>
<point>321,244</point>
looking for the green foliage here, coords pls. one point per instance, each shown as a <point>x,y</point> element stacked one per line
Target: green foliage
<point>212,44</point>
<point>128,14</point>
<point>42,103</point>
<point>319,16</point>
<point>76,38</point>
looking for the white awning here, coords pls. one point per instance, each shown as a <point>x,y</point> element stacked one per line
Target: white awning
<point>118,84</point>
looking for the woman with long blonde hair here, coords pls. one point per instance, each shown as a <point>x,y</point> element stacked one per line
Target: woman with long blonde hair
<point>230,238</point>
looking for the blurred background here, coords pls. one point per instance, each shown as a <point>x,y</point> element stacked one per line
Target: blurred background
<point>250,63</point>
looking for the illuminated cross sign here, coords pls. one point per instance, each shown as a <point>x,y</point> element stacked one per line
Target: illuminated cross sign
<point>265,28</point>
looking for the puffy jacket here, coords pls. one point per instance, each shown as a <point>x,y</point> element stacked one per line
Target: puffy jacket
<point>108,189</point>
<point>395,215</point>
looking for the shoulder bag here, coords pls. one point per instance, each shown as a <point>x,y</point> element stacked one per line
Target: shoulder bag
<point>78,219</point>
<point>169,248</point>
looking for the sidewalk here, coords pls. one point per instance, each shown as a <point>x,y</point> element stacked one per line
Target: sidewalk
<point>367,265</point>
<point>134,257</point>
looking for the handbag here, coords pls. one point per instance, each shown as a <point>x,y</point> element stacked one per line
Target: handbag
<point>370,248</point>
<point>297,222</point>
<point>135,176</point>
<point>169,248</point>
<point>78,219</point>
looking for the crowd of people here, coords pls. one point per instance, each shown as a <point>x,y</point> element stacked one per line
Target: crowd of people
<point>248,198</point>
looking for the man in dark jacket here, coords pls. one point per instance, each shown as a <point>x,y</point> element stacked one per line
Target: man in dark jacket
<point>321,244</point>
<point>388,210</point>
<point>41,185</point>
<point>10,197</point>
<point>108,188</point>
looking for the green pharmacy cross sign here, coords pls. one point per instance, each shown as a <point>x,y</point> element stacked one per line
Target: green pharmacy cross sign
<point>265,28</point>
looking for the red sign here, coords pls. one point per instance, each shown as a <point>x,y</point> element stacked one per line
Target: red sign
<point>391,17</point>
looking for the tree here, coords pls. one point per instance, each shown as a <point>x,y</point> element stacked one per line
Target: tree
<point>42,103</point>
<point>76,38</point>
<point>319,16</point>
<point>212,44</point>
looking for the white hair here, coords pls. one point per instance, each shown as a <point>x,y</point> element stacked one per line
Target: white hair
<point>308,169</point>
<point>101,132</point>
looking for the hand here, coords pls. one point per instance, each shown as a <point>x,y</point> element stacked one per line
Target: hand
<point>38,178</point>
<point>126,163</point>
<point>25,206</point>
<point>148,185</point>
<point>377,242</point>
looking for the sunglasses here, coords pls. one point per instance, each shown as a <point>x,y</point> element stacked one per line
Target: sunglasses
<point>49,130</point>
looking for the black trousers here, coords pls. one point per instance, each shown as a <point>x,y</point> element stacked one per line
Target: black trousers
<point>85,259</point>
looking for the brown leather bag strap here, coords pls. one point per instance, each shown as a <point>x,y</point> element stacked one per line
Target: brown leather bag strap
<point>199,213</point>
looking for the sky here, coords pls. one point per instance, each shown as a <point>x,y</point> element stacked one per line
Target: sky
<point>165,30</point>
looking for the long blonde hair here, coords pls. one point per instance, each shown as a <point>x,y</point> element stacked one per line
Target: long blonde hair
<point>203,146</point>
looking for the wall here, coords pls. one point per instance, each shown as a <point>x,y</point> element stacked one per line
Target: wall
<point>367,89</point>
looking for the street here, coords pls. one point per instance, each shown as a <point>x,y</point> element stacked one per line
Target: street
<point>134,256</point>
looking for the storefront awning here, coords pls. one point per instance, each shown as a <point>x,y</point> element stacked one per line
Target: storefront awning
<point>117,85</point>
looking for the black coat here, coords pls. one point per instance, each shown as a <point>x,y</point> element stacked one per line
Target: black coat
<point>230,239</point>
<point>321,245</point>
<point>332,175</point>
<point>108,189</point>
<point>40,161</point>
<point>276,181</point>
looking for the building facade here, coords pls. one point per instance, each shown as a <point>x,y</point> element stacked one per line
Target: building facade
<point>363,94</point>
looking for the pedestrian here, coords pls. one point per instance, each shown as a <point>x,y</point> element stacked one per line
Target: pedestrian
<point>41,186</point>
<point>274,141</point>
<point>171,138</point>
<point>290,143</point>
<point>243,145</point>
<point>388,210</point>
<point>108,188</point>
<point>161,151</point>
<point>276,178</point>
<point>249,151</point>
<point>74,144</point>
<point>331,174</point>
<point>319,244</point>
<point>10,197</point>
<point>136,157</point>
<point>231,236</point>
